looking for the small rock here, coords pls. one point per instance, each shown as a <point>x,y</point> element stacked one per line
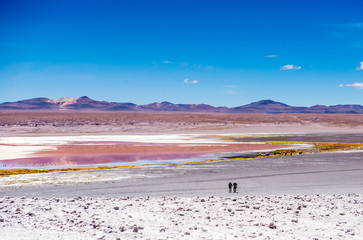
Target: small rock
<point>272,225</point>
<point>116,208</point>
<point>122,229</point>
<point>350,231</point>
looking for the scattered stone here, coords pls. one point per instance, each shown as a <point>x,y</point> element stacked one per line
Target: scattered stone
<point>122,229</point>
<point>351,232</point>
<point>272,225</point>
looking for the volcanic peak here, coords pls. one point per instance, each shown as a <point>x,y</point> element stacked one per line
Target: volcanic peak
<point>86,103</point>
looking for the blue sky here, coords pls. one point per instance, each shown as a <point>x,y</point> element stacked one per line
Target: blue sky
<point>223,53</point>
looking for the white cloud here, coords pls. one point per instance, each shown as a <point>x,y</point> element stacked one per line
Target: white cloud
<point>187,81</point>
<point>290,67</point>
<point>357,85</point>
<point>341,85</point>
<point>360,67</point>
<point>166,61</point>
<point>272,56</point>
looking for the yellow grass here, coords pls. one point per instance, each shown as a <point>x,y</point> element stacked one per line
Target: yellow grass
<point>15,171</point>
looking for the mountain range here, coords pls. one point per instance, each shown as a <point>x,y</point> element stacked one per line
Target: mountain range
<point>85,103</point>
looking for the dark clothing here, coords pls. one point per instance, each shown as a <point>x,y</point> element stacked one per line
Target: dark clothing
<point>234,187</point>
<point>230,187</point>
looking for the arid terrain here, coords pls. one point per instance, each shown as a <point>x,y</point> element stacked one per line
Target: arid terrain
<point>44,122</point>
<point>295,192</point>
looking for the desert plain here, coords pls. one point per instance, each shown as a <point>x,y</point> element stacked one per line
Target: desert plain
<point>165,175</point>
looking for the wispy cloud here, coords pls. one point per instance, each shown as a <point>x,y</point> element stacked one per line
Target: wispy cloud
<point>184,64</point>
<point>208,67</point>
<point>167,62</point>
<point>358,85</point>
<point>272,56</point>
<point>231,89</point>
<point>357,26</point>
<point>81,76</point>
<point>187,81</point>
<point>351,33</point>
<point>290,67</point>
<point>360,67</point>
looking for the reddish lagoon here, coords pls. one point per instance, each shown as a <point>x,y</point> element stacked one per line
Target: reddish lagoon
<point>116,153</point>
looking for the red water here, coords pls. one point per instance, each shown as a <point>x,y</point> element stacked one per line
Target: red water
<point>91,160</point>
<point>91,154</point>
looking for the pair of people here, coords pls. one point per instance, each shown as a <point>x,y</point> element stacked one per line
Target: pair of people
<point>232,185</point>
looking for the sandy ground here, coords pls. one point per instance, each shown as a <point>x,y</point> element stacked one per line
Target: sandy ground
<point>28,123</point>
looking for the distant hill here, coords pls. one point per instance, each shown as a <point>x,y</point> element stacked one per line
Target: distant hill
<point>86,103</point>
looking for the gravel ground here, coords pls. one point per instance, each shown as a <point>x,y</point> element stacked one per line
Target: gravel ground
<point>256,217</point>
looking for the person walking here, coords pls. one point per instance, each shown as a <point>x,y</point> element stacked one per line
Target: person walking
<point>234,187</point>
<point>230,186</point>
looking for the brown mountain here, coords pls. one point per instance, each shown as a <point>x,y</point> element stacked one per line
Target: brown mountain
<point>85,103</point>
<point>267,106</point>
